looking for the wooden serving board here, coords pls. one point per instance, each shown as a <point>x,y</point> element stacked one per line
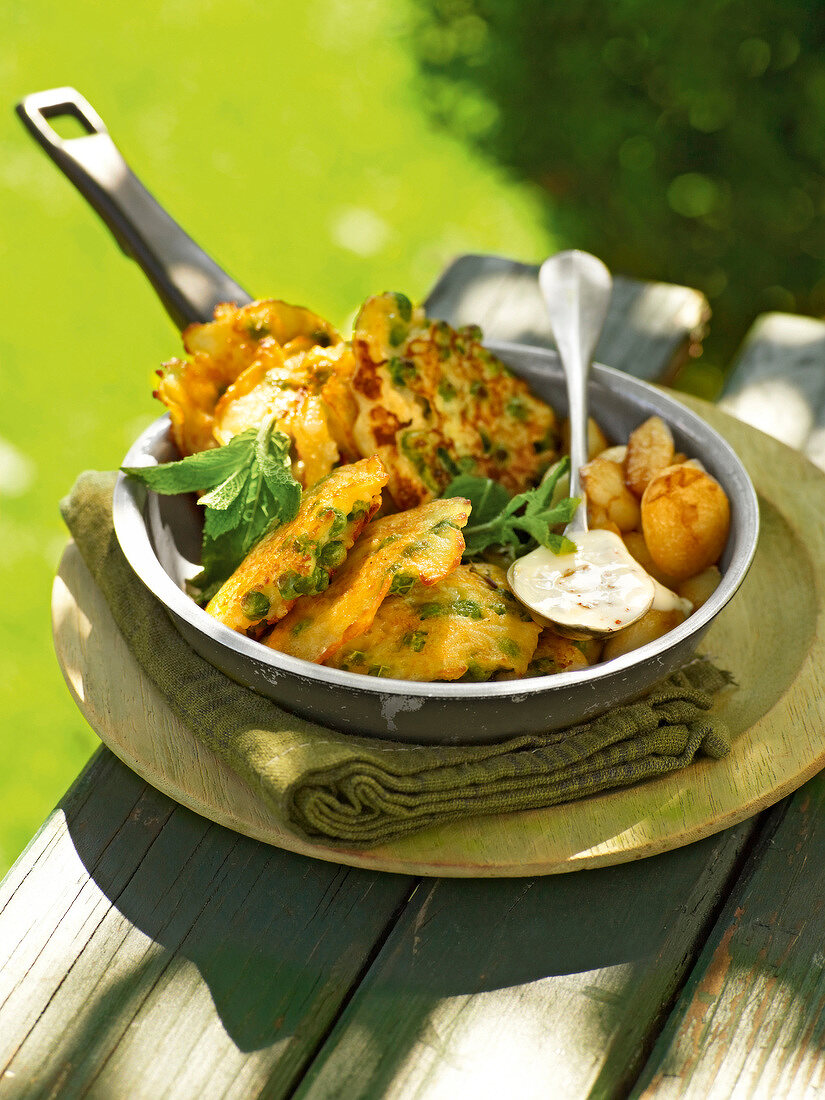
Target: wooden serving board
<point>771,637</point>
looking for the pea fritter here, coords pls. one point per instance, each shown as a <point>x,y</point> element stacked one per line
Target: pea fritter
<point>418,546</point>
<point>264,358</point>
<point>298,558</point>
<point>432,402</point>
<point>286,386</point>
<point>466,627</point>
<point>557,654</point>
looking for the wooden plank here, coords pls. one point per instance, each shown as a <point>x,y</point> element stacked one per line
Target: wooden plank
<point>546,987</point>
<point>650,331</point>
<point>148,952</point>
<point>751,1020</point>
<point>778,382</point>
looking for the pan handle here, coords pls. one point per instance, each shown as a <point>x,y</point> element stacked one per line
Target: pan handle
<point>188,282</point>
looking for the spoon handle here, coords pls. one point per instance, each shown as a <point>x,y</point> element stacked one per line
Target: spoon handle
<point>576,288</point>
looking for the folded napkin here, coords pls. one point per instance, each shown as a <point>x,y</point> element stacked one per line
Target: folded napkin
<point>358,791</point>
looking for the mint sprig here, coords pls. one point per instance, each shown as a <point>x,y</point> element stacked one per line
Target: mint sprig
<point>518,524</point>
<point>248,486</point>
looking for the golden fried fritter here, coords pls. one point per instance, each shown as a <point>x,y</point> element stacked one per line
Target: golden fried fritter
<point>420,545</point>
<point>287,387</point>
<point>557,654</point>
<point>231,339</point>
<point>433,402</point>
<point>266,358</point>
<point>298,558</point>
<point>467,626</point>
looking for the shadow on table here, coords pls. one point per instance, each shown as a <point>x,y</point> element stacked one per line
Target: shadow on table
<point>280,940</point>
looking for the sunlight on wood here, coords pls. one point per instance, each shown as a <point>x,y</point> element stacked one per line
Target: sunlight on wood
<point>497,1044</point>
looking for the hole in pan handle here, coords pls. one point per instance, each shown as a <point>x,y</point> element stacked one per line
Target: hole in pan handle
<point>188,282</point>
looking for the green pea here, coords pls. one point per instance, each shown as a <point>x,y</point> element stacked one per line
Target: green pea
<point>317,581</point>
<point>517,409</point>
<point>291,585</point>
<point>401,371</point>
<point>398,334</point>
<point>475,673</point>
<point>300,627</point>
<point>508,647</point>
<point>358,511</point>
<point>321,338</point>
<point>401,584</point>
<point>255,605</point>
<point>444,526</point>
<point>339,522</point>
<point>332,554</point>
<point>257,329</point>
<point>432,610</point>
<point>468,609</point>
<point>415,639</point>
<point>403,305</point>
<point>478,389</point>
<point>413,548</point>
<point>544,666</point>
<point>446,391</point>
<point>446,460</point>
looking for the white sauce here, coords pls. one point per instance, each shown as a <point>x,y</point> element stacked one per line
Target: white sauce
<point>665,600</point>
<point>600,587</point>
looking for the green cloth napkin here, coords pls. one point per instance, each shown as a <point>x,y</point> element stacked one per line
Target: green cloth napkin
<point>359,791</point>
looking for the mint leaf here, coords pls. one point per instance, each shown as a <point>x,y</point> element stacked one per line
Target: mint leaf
<point>228,491</point>
<point>203,470</point>
<point>248,486</point>
<point>272,455</point>
<point>517,524</point>
<point>488,498</point>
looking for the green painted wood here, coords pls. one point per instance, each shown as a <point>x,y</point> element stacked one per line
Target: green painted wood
<point>148,952</point>
<point>751,1020</point>
<point>778,382</point>
<point>650,331</point>
<point>542,988</point>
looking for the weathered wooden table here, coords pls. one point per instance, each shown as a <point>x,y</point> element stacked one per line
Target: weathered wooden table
<point>150,953</point>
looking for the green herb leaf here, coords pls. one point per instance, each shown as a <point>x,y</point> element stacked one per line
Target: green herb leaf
<point>203,470</point>
<point>488,498</point>
<point>250,488</point>
<point>518,523</point>
<point>223,495</point>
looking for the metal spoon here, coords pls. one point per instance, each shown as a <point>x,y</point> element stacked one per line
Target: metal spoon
<point>600,588</point>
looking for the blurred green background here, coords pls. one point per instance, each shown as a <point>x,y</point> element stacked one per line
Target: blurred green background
<point>329,150</point>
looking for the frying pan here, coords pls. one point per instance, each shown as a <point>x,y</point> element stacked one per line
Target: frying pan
<point>160,536</point>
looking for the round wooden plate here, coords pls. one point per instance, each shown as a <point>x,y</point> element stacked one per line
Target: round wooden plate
<point>771,637</point>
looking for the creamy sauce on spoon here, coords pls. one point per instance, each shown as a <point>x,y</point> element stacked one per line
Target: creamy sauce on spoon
<point>598,589</point>
<point>665,600</point>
